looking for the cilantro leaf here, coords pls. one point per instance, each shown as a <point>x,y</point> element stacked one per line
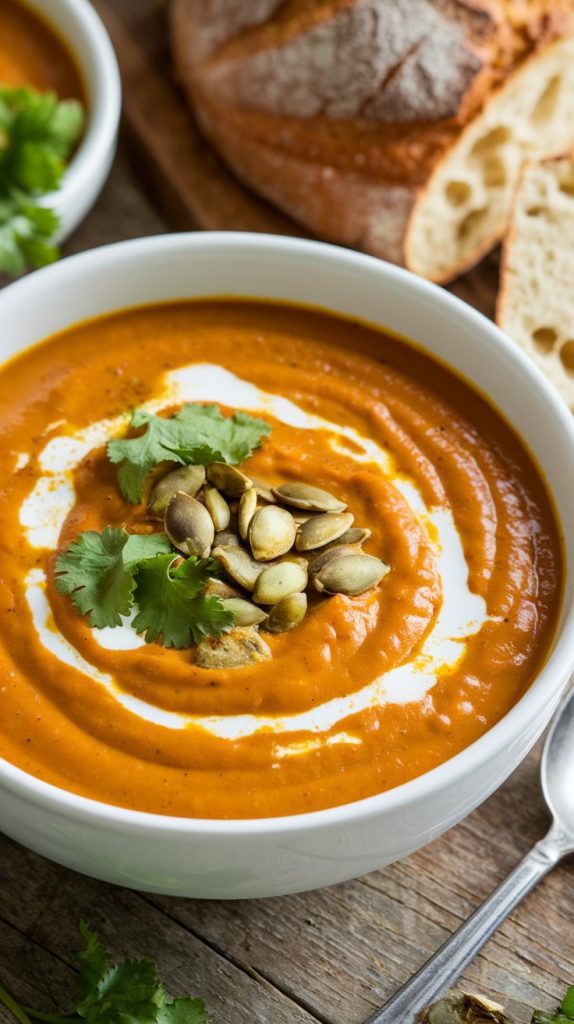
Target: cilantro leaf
<point>197,434</point>
<point>125,994</point>
<point>212,437</point>
<point>170,602</point>
<point>92,961</point>
<point>183,1011</point>
<point>37,135</point>
<point>138,455</point>
<point>26,233</point>
<point>97,571</point>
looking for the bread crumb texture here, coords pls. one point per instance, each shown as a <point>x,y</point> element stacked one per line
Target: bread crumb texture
<point>536,306</point>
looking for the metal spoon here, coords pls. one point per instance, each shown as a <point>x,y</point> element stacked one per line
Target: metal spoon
<point>443,969</point>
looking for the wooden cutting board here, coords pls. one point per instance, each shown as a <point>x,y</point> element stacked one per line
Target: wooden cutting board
<point>189,183</point>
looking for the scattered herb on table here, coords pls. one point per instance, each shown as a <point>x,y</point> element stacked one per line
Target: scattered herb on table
<point>115,992</point>
<point>38,133</point>
<point>563,1015</point>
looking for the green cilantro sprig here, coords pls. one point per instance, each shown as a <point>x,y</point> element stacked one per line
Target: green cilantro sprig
<point>563,1015</point>
<point>37,136</point>
<point>121,992</point>
<point>98,571</point>
<point>107,573</point>
<point>197,434</point>
<point>171,604</point>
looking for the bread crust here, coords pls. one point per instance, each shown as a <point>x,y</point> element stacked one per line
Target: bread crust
<point>338,111</point>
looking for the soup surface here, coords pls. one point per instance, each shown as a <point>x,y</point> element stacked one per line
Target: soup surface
<point>367,692</point>
<point>32,54</point>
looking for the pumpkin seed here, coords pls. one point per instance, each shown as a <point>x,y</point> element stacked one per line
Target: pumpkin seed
<point>228,479</point>
<point>304,517</point>
<point>219,588</point>
<point>226,539</point>
<point>240,646</point>
<point>326,556</point>
<point>312,498</point>
<point>350,574</point>
<point>189,479</point>
<point>217,507</point>
<point>264,491</point>
<point>239,565</point>
<point>189,525</point>
<point>322,529</point>
<point>287,613</point>
<point>244,612</point>
<point>247,509</point>
<point>356,535</point>
<point>279,581</point>
<point>271,533</point>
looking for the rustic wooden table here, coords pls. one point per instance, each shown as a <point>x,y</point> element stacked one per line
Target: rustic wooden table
<point>328,956</point>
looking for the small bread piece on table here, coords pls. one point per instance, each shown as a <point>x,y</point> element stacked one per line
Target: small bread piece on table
<point>536,299</point>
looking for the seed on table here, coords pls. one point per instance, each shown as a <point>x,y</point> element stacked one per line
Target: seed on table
<point>228,479</point>
<point>279,581</point>
<point>239,565</point>
<point>314,499</point>
<point>189,479</point>
<point>244,612</point>
<point>217,507</point>
<point>322,529</point>
<point>287,613</point>
<point>189,525</point>
<point>247,509</point>
<point>271,533</point>
<point>350,574</point>
<point>240,646</point>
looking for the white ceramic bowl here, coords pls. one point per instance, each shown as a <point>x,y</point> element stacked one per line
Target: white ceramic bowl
<point>234,859</point>
<point>78,25</point>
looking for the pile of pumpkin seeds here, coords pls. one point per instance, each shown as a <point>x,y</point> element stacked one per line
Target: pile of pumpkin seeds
<point>274,544</point>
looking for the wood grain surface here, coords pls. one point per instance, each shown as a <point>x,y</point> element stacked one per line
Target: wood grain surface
<point>330,956</point>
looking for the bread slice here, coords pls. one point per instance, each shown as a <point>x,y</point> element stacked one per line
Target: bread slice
<point>399,128</point>
<point>536,298</point>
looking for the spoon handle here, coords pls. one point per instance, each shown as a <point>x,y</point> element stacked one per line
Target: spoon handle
<point>443,969</point>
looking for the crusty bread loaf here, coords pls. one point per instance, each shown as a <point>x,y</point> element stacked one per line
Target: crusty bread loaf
<point>536,298</point>
<point>399,128</point>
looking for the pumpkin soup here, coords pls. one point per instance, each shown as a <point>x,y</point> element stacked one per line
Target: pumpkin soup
<point>258,560</point>
<point>32,54</point>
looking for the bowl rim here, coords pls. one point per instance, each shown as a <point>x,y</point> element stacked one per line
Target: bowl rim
<point>101,80</point>
<point>548,683</point>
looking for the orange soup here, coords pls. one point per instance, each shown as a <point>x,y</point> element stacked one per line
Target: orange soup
<point>32,54</point>
<point>370,689</point>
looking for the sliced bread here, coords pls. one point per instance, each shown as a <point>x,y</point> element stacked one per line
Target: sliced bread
<point>395,127</point>
<point>536,299</point>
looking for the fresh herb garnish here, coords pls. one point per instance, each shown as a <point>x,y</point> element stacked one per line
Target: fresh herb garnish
<point>37,136</point>
<point>563,1015</point>
<point>122,992</point>
<point>26,233</point>
<point>106,573</point>
<point>171,604</point>
<point>197,434</point>
<point>98,571</point>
